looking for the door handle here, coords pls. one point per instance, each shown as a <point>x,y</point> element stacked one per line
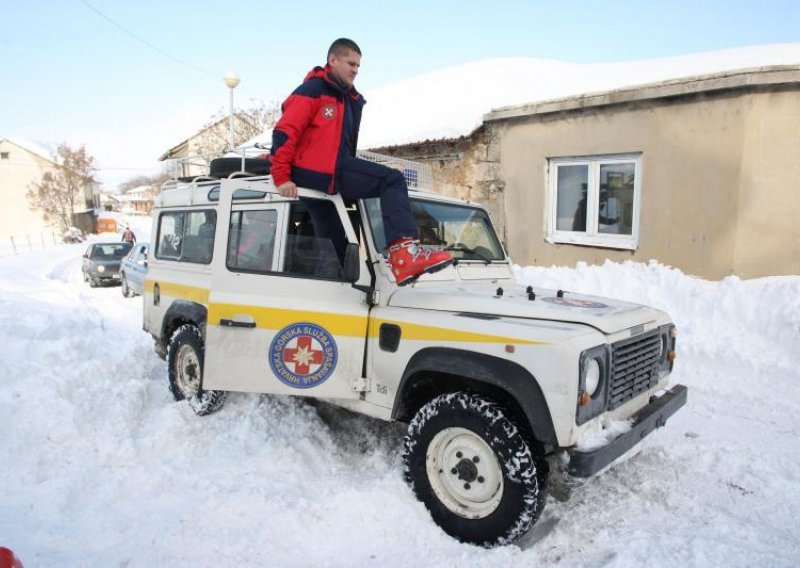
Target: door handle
<point>250,324</point>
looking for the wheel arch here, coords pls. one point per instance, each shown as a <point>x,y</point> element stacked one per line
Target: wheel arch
<point>437,370</point>
<point>181,312</point>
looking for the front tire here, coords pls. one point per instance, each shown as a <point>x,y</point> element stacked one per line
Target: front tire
<point>185,355</point>
<point>474,470</point>
<point>126,290</point>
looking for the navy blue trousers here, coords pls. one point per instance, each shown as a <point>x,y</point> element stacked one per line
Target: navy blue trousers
<point>362,179</point>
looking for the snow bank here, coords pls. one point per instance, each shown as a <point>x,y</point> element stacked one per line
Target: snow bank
<point>102,468</point>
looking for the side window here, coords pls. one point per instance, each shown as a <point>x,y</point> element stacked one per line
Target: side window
<point>187,236</point>
<point>170,235</point>
<point>198,245</point>
<point>315,240</point>
<point>251,242</point>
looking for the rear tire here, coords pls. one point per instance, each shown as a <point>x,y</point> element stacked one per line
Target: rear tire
<point>185,355</point>
<point>474,470</point>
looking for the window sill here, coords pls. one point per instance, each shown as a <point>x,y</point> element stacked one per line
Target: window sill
<point>599,242</point>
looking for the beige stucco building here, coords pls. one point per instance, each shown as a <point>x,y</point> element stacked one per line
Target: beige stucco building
<point>21,165</point>
<point>192,156</point>
<point>701,173</point>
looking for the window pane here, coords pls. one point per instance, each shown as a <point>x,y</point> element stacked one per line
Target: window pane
<point>615,210</point>
<point>198,240</point>
<point>466,231</point>
<point>571,198</point>
<point>170,235</point>
<point>252,240</point>
<point>314,230</point>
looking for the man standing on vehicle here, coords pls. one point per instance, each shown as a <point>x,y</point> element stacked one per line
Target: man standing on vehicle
<point>314,146</point>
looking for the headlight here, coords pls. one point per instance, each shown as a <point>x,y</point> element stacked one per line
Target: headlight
<point>101,268</point>
<point>592,376</point>
<point>593,383</point>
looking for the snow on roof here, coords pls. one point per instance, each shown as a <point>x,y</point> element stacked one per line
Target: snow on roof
<point>33,148</point>
<point>451,102</point>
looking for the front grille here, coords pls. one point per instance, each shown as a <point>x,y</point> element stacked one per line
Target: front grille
<point>634,368</point>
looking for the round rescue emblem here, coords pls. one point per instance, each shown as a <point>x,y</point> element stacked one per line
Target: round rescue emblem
<point>574,303</point>
<point>328,112</point>
<point>303,355</point>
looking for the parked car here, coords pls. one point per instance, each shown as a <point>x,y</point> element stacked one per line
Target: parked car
<point>133,270</point>
<point>101,262</point>
<point>73,235</point>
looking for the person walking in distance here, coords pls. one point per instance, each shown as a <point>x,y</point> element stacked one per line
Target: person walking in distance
<point>128,236</point>
<point>314,146</point>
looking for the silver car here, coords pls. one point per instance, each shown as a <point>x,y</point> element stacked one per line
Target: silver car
<point>133,270</point>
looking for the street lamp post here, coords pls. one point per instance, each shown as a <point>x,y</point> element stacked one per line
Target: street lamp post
<point>231,80</point>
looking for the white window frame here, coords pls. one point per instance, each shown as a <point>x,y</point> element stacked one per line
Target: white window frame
<point>592,236</point>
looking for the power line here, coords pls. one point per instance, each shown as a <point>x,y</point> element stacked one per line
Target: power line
<point>147,43</point>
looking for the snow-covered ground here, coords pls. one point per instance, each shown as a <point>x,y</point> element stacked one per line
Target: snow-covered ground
<point>101,468</point>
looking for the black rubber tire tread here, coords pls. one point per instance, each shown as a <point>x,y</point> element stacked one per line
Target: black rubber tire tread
<point>524,468</point>
<point>206,401</point>
<point>223,167</point>
<point>126,290</point>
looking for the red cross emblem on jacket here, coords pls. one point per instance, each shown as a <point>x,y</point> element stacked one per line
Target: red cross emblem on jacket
<point>328,112</point>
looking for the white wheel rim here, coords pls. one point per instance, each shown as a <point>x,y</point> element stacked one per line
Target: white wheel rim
<point>187,369</point>
<point>464,473</point>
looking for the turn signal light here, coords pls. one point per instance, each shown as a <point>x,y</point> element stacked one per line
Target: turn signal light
<point>585,400</point>
<point>671,356</point>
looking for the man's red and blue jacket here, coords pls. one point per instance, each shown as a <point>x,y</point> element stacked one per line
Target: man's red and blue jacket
<point>307,141</point>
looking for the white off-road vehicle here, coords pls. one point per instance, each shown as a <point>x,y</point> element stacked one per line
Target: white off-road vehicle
<point>499,383</point>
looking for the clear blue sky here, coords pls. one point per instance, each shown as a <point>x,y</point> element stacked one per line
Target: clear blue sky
<point>68,74</point>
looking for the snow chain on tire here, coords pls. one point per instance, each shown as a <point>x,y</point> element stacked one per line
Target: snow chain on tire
<point>470,426</point>
<point>187,342</point>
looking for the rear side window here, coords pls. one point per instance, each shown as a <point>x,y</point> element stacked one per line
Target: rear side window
<point>187,236</point>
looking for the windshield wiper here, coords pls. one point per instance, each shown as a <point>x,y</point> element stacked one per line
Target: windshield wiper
<point>464,248</point>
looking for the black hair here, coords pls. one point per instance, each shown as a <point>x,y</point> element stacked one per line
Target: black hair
<point>343,45</point>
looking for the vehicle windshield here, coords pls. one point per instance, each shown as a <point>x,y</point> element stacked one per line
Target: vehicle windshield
<point>465,231</point>
<point>111,251</point>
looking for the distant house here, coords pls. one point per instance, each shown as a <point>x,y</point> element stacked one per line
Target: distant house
<point>137,201</point>
<point>191,156</point>
<point>701,173</point>
<point>22,164</point>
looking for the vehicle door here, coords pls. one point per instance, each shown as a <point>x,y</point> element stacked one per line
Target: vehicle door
<point>136,267</point>
<point>281,318</point>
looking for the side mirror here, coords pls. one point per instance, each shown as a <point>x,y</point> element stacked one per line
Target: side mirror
<point>352,267</point>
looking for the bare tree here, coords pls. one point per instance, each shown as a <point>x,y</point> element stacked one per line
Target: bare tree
<point>56,194</point>
<point>248,123</point>
<point>153,181</point>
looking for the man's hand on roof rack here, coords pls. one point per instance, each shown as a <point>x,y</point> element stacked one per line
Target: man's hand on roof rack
<point>288,189</point>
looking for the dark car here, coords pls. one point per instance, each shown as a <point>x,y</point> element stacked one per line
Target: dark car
<point>133,270</point>
<point>101,262</point>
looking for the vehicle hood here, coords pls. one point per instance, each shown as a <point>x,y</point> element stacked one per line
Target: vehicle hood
<point>607,315</point>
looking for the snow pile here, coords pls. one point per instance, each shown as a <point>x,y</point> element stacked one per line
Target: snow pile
<point>102,468</point>
<point>451,102</point>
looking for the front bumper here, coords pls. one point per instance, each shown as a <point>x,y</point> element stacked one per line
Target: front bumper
<point>652,416</point>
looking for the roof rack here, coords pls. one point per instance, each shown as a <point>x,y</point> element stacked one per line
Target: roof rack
<point>417,174</point>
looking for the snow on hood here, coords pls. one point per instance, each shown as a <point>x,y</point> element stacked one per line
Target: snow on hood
<point>607,315</point>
